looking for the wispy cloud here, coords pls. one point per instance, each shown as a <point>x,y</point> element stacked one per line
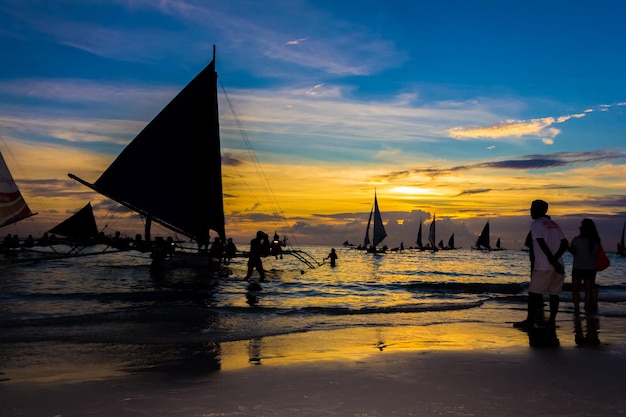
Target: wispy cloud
<point>296,41</point>
<point>525,162</point>
<point>541,128</point>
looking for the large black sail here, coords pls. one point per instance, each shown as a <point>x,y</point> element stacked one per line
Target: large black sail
<point>171,172</point>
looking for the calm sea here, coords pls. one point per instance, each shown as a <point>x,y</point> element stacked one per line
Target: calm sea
<point>112,311</point>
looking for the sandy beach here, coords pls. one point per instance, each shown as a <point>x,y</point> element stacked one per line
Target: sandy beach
<point>467,369</point>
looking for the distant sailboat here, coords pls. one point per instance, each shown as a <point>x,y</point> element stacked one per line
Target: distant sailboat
<point>451,242</point>
<point>379,233</point>
<point>483,241</point>
<point>420,244</point>
<point>431,235</point>
<point>13,207</point>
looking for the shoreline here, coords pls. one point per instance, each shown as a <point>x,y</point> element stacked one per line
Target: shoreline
<point>458,369</point>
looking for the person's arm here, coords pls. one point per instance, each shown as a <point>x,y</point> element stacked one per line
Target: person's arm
<point>562,249</point>
<point>553,259</point>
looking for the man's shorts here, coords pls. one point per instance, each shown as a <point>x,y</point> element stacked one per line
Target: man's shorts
<point>542,282</point>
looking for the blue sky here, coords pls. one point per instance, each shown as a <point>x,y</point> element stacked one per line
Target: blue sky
<point>469,110</point>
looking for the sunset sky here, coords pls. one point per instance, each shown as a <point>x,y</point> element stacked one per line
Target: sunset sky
<point>464,109</point>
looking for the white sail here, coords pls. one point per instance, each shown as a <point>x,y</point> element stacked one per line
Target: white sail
<point>13,207</point>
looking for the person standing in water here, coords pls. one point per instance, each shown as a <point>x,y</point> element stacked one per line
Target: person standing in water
<point>584,249</point>
<point>332,256</point>
<point>259,248</point>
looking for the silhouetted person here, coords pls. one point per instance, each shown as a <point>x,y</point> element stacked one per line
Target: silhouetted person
<point>229,251</point>
<point>584,249</point>
<point>259,248</point>
<point>332,256</point>
<point>216,252</point>
<point>547,247</point>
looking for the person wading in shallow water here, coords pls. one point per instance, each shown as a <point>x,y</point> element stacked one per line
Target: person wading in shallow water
<point>332,256</point>
<point>547,245</point>
<point>259,248</point>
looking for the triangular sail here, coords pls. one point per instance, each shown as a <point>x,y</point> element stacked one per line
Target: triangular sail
<point>13,207</point>
<point>419,242</point>
<point>451,241</point>
<point>379,229</point>
<point>81,225</point>
<point>498,243</point>
<point>171,172</point>
<point>483,239</point>
<point>431,233</point>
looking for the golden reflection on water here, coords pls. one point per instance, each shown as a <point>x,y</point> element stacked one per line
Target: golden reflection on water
<point>357,344</point>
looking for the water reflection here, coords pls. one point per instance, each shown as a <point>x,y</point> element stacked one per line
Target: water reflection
<point>589,335</point>
<point>254,351</point>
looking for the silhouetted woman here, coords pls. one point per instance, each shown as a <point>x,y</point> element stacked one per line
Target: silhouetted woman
<point>584,248</point>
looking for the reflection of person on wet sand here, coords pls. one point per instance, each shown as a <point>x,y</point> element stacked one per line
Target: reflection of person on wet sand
<point>254,351</point>
<point>591,337</point>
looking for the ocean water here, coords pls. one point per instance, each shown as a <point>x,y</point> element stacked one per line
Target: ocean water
<point>109,314</point>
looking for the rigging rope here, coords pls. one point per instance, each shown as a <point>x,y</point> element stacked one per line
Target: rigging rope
<point>275,206</point>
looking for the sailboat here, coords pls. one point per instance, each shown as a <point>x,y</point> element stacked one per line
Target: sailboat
<point>451,242</point>
<point>431,235</point>
<point>482,243</point>
<point>420,244</point>
<point>379,233</point>
<point>13,207</point>
<point>75,236</point>
<point>171,172</point>
<point>80,228</point>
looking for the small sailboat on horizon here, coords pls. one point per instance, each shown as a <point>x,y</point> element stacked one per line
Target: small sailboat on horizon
<point>378,233</point>
<point>431,235</point>
<point>483,241</point>
<point>419,242</point>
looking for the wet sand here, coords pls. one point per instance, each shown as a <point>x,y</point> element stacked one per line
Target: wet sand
<point>456,370</point>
